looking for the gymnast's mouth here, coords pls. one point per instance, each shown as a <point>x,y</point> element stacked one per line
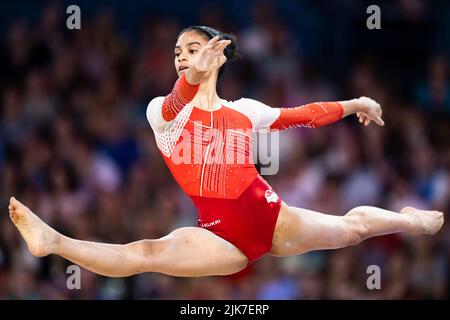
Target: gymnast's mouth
<point>182,68</point>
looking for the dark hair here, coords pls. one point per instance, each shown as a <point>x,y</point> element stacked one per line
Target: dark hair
<point>231,51</point>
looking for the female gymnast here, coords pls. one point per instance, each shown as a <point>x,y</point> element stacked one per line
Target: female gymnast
<point>240,217</point>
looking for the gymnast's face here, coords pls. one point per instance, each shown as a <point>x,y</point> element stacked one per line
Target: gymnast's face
<point>188,45</point>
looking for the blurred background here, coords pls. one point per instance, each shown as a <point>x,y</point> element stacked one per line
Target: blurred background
<point>75,145</point>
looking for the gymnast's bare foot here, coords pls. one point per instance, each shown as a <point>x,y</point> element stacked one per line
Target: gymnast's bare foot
<point>426,222</point>
<point>40,238</point>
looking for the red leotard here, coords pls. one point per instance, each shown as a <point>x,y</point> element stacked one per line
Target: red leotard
<point>210,156</point>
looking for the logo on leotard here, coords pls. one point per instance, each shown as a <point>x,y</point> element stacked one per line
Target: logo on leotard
<point>210,224</point>
<point>271,196</point>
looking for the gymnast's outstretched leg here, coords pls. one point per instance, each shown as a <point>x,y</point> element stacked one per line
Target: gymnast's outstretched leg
<point>186,252</point>
<point>300,230</point>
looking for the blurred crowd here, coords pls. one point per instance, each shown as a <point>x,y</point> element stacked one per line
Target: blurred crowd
<point>75,147</point>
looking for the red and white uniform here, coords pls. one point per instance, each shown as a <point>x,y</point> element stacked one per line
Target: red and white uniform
<point>210,156</point>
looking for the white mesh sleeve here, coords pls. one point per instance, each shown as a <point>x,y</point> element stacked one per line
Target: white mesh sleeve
<point>260,114</point>
<point>166,133</point>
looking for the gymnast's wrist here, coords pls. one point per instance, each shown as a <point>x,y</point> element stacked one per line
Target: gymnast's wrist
<point>351,106</point>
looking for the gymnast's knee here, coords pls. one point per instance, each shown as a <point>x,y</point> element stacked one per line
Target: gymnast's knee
<point>148,252</point>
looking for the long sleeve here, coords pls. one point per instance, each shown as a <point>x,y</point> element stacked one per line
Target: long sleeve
<point>182,93</point>
<point>312,115</point>
<point>162,110</point>
<point>168,115</point>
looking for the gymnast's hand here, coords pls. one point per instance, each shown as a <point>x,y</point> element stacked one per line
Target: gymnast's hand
<point>210,57</point>
<point>368,110</point>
